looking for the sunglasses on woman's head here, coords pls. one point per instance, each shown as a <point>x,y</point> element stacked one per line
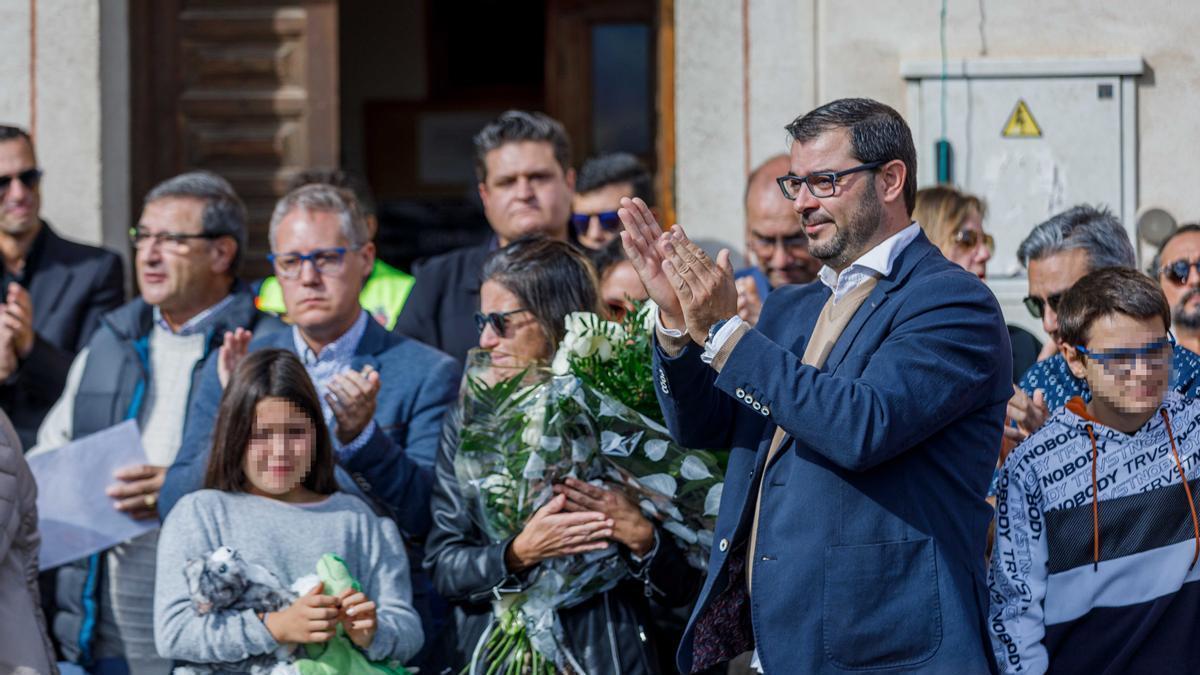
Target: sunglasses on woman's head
<point>609,221</point>
<point>497,320</point>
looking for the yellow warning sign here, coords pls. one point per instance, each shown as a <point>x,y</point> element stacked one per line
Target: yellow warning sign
<point>1021,124</point>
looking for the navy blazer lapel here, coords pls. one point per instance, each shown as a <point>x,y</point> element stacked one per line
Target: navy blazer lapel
<point>374,341</point>
<point>916,251</point>
<point>53,276</point>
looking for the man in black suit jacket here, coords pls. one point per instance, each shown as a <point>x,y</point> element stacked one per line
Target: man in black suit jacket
<point>523,162</point>
<point>53,291</point>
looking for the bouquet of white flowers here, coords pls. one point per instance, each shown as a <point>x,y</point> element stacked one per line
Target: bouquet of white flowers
<point>594,418</point>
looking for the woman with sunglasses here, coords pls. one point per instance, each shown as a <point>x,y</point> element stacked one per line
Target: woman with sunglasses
<point>529,288</point>
<point>953,221</point>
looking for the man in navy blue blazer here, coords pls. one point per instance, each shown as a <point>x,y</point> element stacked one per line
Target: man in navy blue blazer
<point>852,530</point>
<point>383,395</point>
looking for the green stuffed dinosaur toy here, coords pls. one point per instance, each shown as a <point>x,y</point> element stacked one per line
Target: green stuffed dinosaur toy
<point>339,656</point>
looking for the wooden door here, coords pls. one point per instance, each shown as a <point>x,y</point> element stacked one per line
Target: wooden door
<point>609,71</point>
<point>247,89</point>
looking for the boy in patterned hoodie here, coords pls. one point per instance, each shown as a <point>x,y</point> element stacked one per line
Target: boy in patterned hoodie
<point>1097,537</point>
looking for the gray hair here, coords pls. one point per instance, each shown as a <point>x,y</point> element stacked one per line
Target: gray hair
<point>516,126</point>
<point>324,198</point>
<point>1093,229</point>
<point>224,213</point>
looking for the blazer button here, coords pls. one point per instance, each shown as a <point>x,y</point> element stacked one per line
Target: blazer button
<point>757,405</point>
<point>749,400</point>
<point>724,545</point>
<point>765,411</point>
<point>740,393</point>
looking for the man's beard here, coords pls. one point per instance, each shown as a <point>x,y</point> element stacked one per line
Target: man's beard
<point>1182,316</point>
<point>849,238</point>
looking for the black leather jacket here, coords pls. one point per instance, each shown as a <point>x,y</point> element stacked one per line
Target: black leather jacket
<point>608,634</point>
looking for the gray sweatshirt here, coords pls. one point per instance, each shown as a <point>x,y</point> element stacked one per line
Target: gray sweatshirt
<point>288,540</point>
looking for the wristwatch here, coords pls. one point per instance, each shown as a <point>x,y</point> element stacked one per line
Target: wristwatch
<point>713,330</point>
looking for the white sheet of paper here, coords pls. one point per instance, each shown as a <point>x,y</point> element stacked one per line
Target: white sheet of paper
<point>75,517</point>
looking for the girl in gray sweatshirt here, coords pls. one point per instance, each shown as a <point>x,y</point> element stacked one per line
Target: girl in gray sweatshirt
<point>271,496</point>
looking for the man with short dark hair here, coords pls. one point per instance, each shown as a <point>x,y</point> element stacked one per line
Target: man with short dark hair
<point>144,362</point>
<point>52,292</point>
<point>1177,268</point>
<point>864,415</point>
<point>523,163</point>
<point>603,181</point>
<point>1057,253</point>
<point>775,241</point>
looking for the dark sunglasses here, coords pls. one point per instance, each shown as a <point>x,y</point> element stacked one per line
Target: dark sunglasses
<point>609,221</point>
<point>1037,306</point>
<point>29,178</point>
<point>1178,271</point>
<point>497,320</point>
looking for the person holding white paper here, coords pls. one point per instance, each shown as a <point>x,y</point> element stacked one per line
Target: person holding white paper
<point>141,364</point>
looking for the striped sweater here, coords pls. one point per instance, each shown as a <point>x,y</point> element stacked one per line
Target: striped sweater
<point>1069,596</point>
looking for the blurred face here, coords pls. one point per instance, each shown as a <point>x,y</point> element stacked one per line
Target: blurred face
<point>1182,291</point>
<point>522,341</point>
<point>183,277</point>
<point>601,205</point>
<point>322,294</point>
<point>281,449</point>
<point>1129,371</point>
<point>20,203</point>
<point>526,191</point>
<point>969,248</point>
<point>620,288</point>
<point>1050,277</point>
<point>776,238</point>
<point>842,227</point>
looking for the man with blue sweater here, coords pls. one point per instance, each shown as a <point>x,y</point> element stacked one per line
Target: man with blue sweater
<point>863,414</point>
<point>383,395</point>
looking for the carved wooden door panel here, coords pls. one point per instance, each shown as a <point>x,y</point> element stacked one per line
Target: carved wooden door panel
<point>247,89</point>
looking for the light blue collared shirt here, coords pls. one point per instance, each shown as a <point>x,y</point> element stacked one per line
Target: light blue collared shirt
<point>196,324</point>
<point>333,359</point>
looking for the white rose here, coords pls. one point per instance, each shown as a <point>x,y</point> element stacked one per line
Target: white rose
<point>562,361</point>
<point>649,315</point>
<point>604,349</point>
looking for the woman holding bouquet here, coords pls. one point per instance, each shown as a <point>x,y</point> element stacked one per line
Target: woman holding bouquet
<point>529,288</point>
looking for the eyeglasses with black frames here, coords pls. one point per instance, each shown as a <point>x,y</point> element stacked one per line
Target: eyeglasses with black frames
<point>497,320</point>
<point>821,184</point>
<point>172,241</point>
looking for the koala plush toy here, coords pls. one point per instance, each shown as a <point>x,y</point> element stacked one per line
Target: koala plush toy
<point>223,580</point>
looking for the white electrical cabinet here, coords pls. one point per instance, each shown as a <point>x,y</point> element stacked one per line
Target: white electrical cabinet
<point>1032,137</point>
